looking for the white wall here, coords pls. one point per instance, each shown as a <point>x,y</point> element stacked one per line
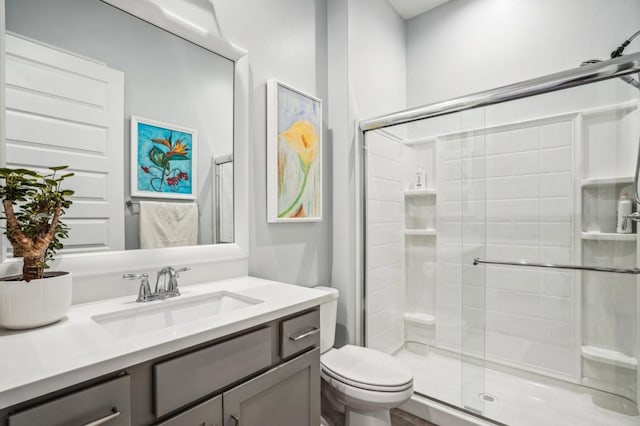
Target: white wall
<point>467,46</point>
<point>367,51</point>
<point>286,40</point>
<point>377,61</point>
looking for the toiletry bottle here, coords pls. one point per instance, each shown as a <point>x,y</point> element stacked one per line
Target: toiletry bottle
<point>624,226</point>
<point>420,178</point>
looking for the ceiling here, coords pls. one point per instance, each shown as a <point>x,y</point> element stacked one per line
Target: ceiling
<point>407,9</point>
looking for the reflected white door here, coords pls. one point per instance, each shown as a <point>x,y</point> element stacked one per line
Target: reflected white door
<point>64,109</point>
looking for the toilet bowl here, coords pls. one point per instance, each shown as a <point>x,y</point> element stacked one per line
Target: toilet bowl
<point>359,385</point>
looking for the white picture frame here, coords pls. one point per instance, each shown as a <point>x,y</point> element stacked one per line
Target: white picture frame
<point>294,155</point>
<point>154,143</point>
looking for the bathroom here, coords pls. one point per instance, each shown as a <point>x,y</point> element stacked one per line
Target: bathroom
<point>485,344</point>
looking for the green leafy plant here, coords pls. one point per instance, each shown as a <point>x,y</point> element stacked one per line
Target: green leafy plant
<point>33,204</point>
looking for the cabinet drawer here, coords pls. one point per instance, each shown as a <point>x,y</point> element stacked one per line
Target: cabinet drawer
<point>206,414</point>
<point>185,379</point>
<point>299,333</point>
<point>99,402</point>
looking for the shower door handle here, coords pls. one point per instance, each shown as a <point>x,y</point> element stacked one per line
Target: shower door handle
<point>634,271</point>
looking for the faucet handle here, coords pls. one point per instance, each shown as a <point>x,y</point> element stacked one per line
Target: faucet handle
<point>144,292</point>
<point>183,269</point>
<point>173,281</point>
<point>134,276</point>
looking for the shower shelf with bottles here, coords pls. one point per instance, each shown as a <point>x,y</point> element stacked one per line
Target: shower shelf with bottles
<point>420,243</point>
<point>609,140</point>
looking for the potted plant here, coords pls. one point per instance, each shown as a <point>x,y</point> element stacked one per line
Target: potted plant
<point>33,204</point>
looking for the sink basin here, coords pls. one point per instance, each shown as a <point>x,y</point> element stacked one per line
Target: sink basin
<point>170,312</point>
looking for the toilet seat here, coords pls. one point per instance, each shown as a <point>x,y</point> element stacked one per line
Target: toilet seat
<point>365,369</point>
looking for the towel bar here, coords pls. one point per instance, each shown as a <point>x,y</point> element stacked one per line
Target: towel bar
<point>477,261</point>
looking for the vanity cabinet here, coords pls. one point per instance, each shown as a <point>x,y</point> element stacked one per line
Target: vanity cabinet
<point>208,413</point>
<point>266,375</point>
<point>106,403</point>
<point>284,396</point>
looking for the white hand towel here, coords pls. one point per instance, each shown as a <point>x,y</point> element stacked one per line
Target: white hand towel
<point>168,224</point>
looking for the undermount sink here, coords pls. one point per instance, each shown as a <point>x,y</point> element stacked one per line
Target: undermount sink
<point>171,312</point>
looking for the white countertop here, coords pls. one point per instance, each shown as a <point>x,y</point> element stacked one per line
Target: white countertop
<point>43,360</point>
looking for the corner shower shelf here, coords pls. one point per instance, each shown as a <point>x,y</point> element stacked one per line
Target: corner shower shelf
<point>416,192</point>
<point>420,318</point>
<point>606,181</point>
<point>610,357</point>
<point>421,232</point>
<point>420,141</point>
<point>608,236</point>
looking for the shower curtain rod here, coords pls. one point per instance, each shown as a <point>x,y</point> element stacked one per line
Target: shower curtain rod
<point>604,70</point>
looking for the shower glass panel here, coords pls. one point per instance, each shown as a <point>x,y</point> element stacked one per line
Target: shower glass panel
<point>534,180</point>
<point>224,199</point>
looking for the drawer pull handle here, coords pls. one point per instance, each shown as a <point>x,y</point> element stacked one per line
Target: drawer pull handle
<point>115,413</point>
<point>315,330</point>
<point>236,420</point>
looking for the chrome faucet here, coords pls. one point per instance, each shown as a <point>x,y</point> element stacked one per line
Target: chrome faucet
<point>166,284</point>
<point>167,281</point>
<point>144,292</point>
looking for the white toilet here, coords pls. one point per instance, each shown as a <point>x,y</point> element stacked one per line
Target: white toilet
<point>360,383</point>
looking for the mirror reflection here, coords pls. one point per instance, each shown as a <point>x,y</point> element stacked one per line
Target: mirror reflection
<point>77,72</point>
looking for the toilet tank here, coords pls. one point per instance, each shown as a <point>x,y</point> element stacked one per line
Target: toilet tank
<point>328,314</point>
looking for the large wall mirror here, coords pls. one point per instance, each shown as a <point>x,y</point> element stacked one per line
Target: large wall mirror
<point>147,108</point>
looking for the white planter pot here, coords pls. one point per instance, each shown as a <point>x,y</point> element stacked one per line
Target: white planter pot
<point>35,303</point>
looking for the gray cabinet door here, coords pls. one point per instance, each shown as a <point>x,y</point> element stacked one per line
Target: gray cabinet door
<point>208,413</point>
<point>288,395</point>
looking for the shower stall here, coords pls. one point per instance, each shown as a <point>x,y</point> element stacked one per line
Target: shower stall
<point>493,264</point>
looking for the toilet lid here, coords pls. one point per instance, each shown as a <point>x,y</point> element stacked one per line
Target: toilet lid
<point>366,368</point>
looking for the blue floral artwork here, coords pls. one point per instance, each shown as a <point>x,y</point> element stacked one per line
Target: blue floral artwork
<point>164,160</point>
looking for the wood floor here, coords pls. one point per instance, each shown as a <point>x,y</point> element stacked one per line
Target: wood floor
<point>402,418</point>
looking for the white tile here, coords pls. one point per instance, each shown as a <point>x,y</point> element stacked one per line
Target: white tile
<point>557,283</point>
<point>525,163</point>
<point>452,170</point>
<point>500,188</point>
<point>473,168</point>
<point>562,255</point>
<point>473,232</point>
<point>526,139</point>
<point>513,279</point>
<point>526,186</point>
<point>555,185</point>
<point>556,308</point>
<point>555,333</point>
<point>451,149</point>
<point>512,302</point>
<point>556,233</point>
<point>557,134</point>
<point>555,160</point>
<point>498,143</point>
<point>525,233</point>
<point>556,358</point>
<point>556,209</point>
<point>499,232</point>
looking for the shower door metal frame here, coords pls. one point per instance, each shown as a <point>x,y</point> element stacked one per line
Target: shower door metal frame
<point>605,70</point>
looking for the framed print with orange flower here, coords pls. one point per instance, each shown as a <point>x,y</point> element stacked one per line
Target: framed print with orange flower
<point>294,155</point>
<point>163,160</point>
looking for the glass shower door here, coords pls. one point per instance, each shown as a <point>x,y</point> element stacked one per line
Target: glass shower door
<point>424,215</point>
<point>533,181</point>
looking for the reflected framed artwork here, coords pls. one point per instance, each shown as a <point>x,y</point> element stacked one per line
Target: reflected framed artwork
<point>294,155</point>
<point>163,160</point>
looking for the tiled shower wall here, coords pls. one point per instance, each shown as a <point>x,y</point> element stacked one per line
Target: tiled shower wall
<point>507,194</point>
<point>385,290</point>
